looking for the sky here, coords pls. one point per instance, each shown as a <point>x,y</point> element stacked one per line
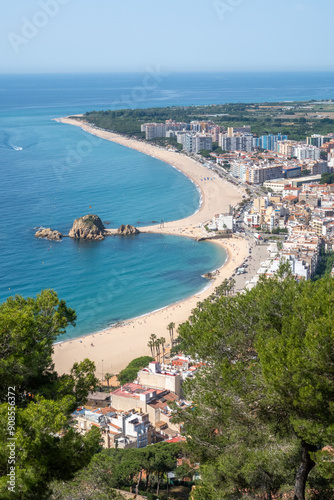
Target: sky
<point>80,36</point>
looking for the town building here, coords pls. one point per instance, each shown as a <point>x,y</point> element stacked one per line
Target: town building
<point>156,377</point>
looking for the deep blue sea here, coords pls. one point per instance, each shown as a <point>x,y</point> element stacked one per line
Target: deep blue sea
<point>62,173</point>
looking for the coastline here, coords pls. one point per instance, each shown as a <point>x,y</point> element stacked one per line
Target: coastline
<point>113,348</point>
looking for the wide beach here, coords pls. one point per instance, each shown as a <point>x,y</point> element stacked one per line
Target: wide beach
<point>114,348</point>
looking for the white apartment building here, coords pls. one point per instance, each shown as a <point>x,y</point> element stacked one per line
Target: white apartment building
<point>194,143</point>
<point>153,130</point>
<point>307,152</point>
<point>222,222</point>
<point>240,142</point>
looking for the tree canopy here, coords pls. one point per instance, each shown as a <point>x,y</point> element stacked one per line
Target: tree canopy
<point>262,417</point>
<point>129,374</point>
<point>37,400</point>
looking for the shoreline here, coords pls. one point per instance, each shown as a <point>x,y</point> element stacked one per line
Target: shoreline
<point>114,347</point>
<point>126,322</point>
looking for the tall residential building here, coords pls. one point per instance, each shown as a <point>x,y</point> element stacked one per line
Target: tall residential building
<point>195,126</point>
<point>307,152</point>
<point>260,174</point>
<point>315,140</point>
<point>242,142</point>
<point>269,141</point>
<point>194,143</point>
<point>238,130</point>
<point>215,131</point>
<point>286,147</point>
<point>181,137</point>
<point>153,130</point>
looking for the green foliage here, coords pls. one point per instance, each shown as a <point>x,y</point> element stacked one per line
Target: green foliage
<point>325,265</point>
<point>279,230</point>
<point>266,393</point>
<point>327,178</point>
<point>45,446</point>
<point>41,453</point>
<point>92,484</point>
<point>28,329</point>
<point>205,153</point>
<point>264,120</point>
<point>120,469</point>
<point>129,374</point>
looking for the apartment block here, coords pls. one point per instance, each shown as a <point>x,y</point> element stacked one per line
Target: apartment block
<point>307,152</point>
<point>160,378</point>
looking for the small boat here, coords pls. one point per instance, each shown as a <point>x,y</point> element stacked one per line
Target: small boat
<point>17,148</point>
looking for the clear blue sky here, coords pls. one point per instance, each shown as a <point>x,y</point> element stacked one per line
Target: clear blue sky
<point>177,35</point>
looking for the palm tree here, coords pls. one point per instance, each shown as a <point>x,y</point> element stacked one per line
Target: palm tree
<point>170,328</point>
<point>153,338</point>
<point>157,345</point>
<point>150,344</point>
<point>163,342</point>
<point>108,376</point>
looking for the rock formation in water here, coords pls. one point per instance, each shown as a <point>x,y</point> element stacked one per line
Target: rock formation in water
<point>88,227</point>
<point>127,230</point>
<point>49,234</point>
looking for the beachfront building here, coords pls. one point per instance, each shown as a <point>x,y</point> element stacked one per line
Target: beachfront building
<point>238,142</point>
<point>194,143</point>
<point>258,174</point>
<point>222,222</point>
<point>159,377</point>
<point>154,130</point>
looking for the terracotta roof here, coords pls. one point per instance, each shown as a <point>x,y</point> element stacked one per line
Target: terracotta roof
<point>170,397</point>
<point>107,409</point>
<point>177,439</point>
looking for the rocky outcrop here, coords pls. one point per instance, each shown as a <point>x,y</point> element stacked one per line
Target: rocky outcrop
<point>49,234</point>
<point>127,230</point>
<point>88,227</point>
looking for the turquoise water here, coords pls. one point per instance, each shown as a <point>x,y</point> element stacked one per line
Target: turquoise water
<point>61,172</point>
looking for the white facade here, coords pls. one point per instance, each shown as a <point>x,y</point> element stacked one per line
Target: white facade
<point>222,222</point>
<point>194,143</point>
<point>307,152</point>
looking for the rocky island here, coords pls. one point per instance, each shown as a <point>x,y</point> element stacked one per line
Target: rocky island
<point>49,234</point>
<point>88,227</point>
<point>127,230</point>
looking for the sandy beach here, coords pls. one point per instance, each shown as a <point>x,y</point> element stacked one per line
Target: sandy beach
<point>114,348</point>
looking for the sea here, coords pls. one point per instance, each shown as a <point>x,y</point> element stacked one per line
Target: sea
<point>52,173</point>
